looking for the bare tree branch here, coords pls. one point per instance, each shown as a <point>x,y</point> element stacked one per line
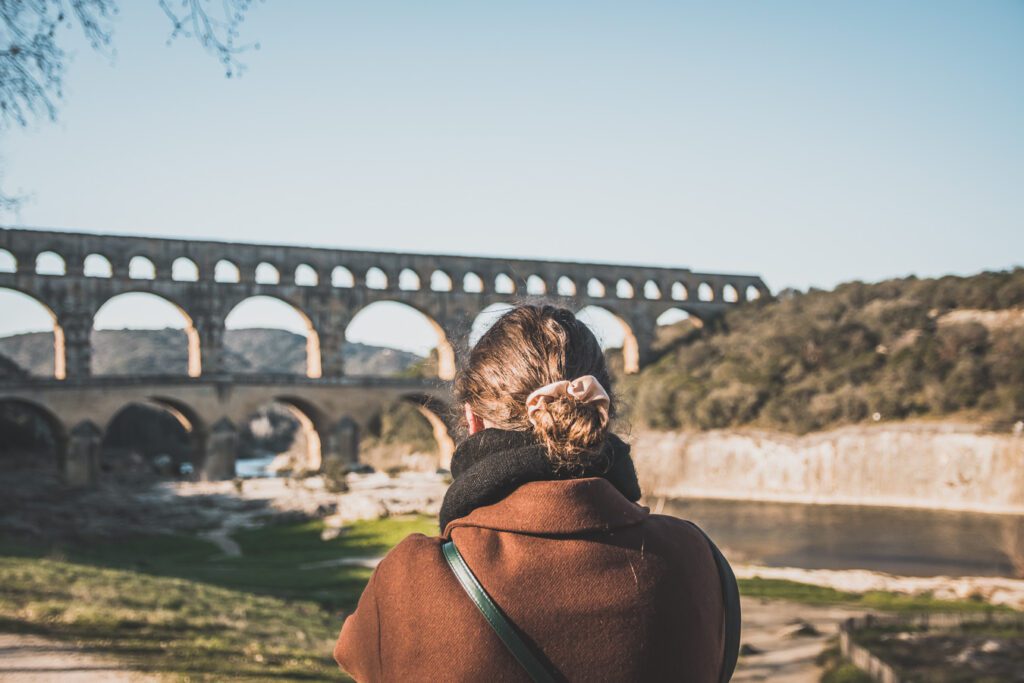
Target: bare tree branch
<point>33,63</point>
<point>218,32</point>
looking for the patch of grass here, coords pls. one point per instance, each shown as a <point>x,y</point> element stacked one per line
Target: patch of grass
<point>179,627</point>
<point>838,669</point>
<point>177,605</point>
<point>287,561</point>
<point>844,671</point>
<point>780,589</point>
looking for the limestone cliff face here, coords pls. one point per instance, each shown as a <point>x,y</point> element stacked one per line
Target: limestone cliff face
<point>940,465</point>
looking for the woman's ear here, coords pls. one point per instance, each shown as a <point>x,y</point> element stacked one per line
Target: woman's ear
<point>474,423</point>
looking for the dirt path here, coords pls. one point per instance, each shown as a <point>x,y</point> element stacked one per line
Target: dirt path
<point>31,658</point>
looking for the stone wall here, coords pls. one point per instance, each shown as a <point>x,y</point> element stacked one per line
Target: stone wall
<point>928,465</point>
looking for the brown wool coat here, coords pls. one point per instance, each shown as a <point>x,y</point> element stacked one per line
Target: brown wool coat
<point>606,590</point>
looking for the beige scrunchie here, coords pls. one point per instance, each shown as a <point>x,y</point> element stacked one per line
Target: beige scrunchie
<point>585,389</point>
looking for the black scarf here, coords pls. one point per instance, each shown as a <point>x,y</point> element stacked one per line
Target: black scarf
<point>493,463</point>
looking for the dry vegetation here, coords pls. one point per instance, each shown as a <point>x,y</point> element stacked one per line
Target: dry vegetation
<point>806,361</point>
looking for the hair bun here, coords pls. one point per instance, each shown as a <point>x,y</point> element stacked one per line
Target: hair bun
<point>569,429</point>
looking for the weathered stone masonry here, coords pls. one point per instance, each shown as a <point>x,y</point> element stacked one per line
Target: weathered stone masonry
<point>207,279</point>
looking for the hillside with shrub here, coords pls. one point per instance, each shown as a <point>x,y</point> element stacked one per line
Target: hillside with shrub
<point>803,361</point>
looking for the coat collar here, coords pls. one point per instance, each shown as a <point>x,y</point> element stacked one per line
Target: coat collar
<point>556,508</point>
<point>494,463</point>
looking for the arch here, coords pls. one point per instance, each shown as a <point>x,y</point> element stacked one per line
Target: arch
<point>673,316</point>
<point>97,265</point>
<point>262,312</point>
<point>406,328</point>
<point>50,263</point>
<point>729,294</point>
<point>341,277</point>
<point>612,331</point>
<point>184,270</point>
<point>153,428</point>
<point>624,289</point>
<point>485,319</point>
<point>8,264</point>
<point>705,292</point>
<point>472,283</point>
<point>565,286</point>
<point>596,289</point>
<point>652,290</point>
<point>309,420</point>
<point>141,268</point>
<point>376,278</point>
<point>285,425</point>
<point>680,292</point>
<point>440,281</point>
<point>25,314</point>
<point>27,430</point>
<point>503,284</point>
<point>267,274</point>
<point>306,275</point>
<point>145,316</point>
<point>226,271</point>
<point>436,411</point>
<point>408,280</point>
<point>536,286</point>
<point>752,293</point>
<point>407,433</point>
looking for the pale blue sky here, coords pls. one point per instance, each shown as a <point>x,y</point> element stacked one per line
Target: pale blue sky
<point>809,142</point>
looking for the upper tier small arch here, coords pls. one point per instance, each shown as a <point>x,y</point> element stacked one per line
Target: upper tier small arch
<point>472,283</point>
<point>440,281</point>
<point>267,274</point>
<point>141,268</point>
<point>50,263</point>
<point>408,280</point>
<point>306,275</point>
<point>97,265</point>
<point>8,264</point>
<point>184,270</point>
<point>226,271</point>
<point>342,277</point>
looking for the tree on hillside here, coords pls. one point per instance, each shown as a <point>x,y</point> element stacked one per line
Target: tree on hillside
<point>33,60</point>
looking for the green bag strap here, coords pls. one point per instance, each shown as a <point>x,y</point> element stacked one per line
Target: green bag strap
<point>535,668</point>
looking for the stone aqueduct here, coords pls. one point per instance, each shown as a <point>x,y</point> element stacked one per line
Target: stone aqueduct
<point>73,274</point>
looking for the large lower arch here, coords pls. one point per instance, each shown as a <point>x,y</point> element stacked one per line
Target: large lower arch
<point>389,323</point>
<point>612,331</point>
<point>311,427</point>
<point>441,419</point>
<point>154,434</point>
<point>24,313</point>
<point>31,436</point>
<point>268,312</point>
<point>140,310</point>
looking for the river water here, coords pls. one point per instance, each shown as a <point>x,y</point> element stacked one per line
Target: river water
<point>895,540</point>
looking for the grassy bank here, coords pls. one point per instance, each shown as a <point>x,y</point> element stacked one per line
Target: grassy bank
<point>779,589</point>
<point>175,605</point>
